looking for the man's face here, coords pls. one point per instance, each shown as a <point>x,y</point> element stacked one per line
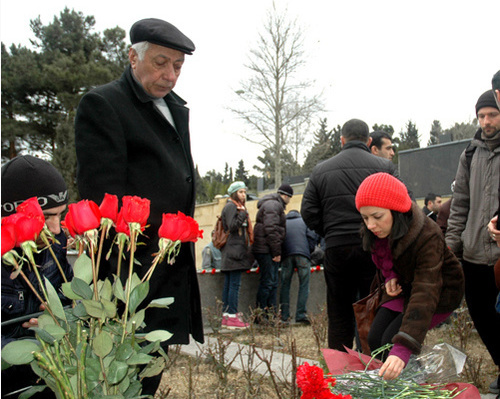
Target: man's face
<point>435,205</point>
<point>489,120</point>
<point>385,151</point>
<point>159,70</point>
<point>286,198</point>
<point>53,218</point>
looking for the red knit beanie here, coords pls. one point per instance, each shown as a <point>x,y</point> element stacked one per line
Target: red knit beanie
<point>384,191</point>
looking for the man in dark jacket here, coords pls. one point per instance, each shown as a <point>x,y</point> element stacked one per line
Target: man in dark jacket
<point>328,208</point>
<point>296,255</point>
<point>132,138</point>
<point>269,234</point>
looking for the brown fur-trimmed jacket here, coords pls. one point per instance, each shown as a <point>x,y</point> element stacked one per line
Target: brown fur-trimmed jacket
<point>430,275</point>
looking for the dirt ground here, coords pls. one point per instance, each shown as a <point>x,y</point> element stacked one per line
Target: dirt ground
<point>213,378</point>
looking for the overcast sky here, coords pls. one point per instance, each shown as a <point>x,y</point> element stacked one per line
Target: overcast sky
<point>383,61</point>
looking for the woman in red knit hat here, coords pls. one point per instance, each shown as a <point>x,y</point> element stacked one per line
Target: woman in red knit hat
<point>424,281</point>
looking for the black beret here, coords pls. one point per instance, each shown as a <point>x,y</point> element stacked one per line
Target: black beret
<point>162,33</point>
<point>487,99</point>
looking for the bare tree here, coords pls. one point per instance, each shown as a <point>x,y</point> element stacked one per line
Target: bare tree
<point>273,101</point>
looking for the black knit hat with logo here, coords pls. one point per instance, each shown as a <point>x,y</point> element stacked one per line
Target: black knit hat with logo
<point>285,189</point>
<point>26,176</point>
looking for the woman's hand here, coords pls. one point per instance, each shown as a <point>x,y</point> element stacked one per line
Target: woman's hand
<point>391,368</point>
<point>393,288</point>
<point>493,232</point>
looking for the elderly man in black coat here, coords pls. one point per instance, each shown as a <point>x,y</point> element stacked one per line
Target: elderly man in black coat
<point>132,138</point>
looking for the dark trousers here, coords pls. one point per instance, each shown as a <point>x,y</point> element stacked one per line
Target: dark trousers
<point>480,295</point>
<point>349,272</point>
<point>267,294</point>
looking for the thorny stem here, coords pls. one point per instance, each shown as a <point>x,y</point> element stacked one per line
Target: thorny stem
<point>58,264</point>
<point>104,233</point>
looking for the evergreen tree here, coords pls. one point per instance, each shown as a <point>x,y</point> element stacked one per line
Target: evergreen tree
<point>409,138</point>
<point>322,147</point>
<point>463,130</point>
<point>436,131</point>
<point>384,128</point>
<point>241,174</point>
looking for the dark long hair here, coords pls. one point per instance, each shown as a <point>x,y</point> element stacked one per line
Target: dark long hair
<point>400,226</point>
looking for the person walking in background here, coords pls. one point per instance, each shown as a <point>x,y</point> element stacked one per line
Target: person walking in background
<point>236,255</point>
<point>475,201</point>
<point>432,205</point>
<point>423,279</point>
<point>328,208</point>
<point>25,177</point>
<point>299,243</point>
<point>381,145</point>
<point>270,231</point>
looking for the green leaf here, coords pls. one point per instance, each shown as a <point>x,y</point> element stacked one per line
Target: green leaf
<point>80,311</point>
<point>158,335</point>
<point>161,302</point>
<point>124,351</point>
<point>54,301</point>
<point>33,390</point>
<point>139,293</point>
<point>44,335</point>
<point>155,367</point>
<point>83,268</point>
<point>106,291</point>
<point>118,289</point>
<point>57,332</point>
<point>81,288</point>
<point>102,344</point>
<point>138,318</point>
<point>20,351</point>
<point>116,372</point>
<point>133,390</point>
<point>109,308</point>
<point>45,320</point>
<point>68,292</point>
<point>94,308</point>
<point>92,369</point>
<point>135,281</point>
<point>124,384</point>
<point>139,358</point>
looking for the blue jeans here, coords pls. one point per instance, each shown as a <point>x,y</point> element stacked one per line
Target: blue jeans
<point>303,266</point>
<point>268,284</point>
<point>231,292</point>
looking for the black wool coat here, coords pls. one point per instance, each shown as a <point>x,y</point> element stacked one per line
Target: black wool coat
<point>125,146</point>
<point>430,275</point>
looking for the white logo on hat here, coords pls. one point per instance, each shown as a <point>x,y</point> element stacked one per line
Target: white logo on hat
<point>61,197</point>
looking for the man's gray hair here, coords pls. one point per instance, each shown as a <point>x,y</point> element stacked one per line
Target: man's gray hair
<point>141,48</point>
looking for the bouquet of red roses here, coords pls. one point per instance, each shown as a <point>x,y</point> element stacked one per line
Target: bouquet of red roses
<point>91,349</point>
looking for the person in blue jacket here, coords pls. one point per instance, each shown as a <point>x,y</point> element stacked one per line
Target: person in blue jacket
<point>296,255</point>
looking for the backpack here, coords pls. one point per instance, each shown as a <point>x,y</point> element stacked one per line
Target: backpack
<point>219,237</point>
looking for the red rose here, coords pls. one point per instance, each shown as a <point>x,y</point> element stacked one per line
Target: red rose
<point>27,228</point>
<point>36,220</point>
<point>84,216</point>
<point>121,225</point>
<point>109,207</point>
<point>67,223</point>
<point>179,227</point>
<point>135,209</point>
<point>9,236</point>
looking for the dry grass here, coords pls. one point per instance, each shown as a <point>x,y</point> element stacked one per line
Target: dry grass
<point>210,377</point>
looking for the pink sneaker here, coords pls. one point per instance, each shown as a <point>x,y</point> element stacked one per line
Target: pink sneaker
<point>234,321</point>
<point>224,320</point>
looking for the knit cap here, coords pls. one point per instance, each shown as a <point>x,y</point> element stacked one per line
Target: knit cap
<point>487,99</point>
<point>24,177</point>
<point>384,191</point>
<point>235,186</point>
<point>286,189</point>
